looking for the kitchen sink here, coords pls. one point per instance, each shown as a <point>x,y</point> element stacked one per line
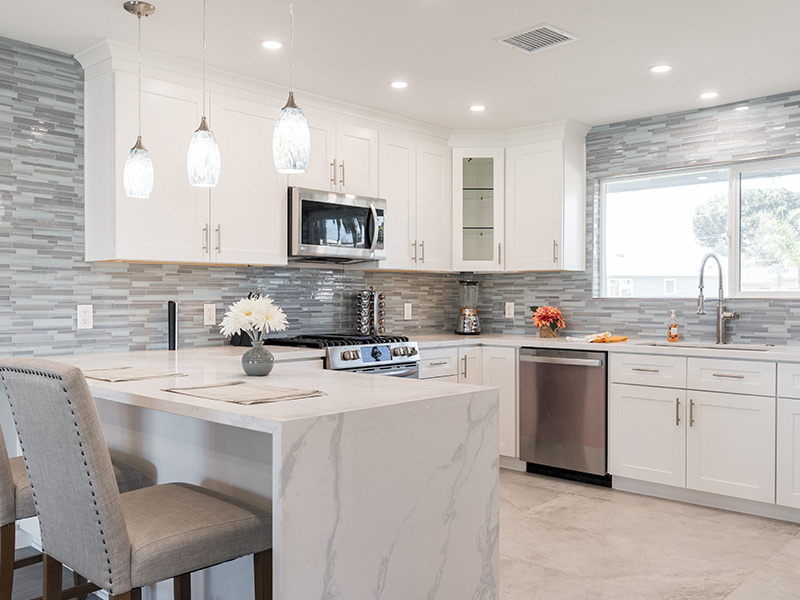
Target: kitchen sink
<point>750,347</point>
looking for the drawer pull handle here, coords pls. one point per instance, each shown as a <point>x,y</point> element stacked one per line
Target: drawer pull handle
<point>726,376</point>
<point>646,370</point>
<point>677,411</point>
<point>440,363</point>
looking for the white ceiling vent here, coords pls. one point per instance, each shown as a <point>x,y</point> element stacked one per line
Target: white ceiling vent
<point>535,39</point>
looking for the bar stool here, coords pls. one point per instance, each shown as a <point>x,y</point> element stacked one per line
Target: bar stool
<point>119,542</point>
<point>16,503</point>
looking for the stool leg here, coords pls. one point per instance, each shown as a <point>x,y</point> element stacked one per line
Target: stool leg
<point>262,570</point>
<point>52,579</point>
<point>182,587</point>
<point>7,533</point>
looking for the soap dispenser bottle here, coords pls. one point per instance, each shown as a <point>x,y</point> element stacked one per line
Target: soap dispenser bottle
<point>672,332</point>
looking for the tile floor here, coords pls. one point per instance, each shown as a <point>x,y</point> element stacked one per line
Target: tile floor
<point>566,541</point>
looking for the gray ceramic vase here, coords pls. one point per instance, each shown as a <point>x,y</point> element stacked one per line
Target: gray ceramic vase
<point>258,361</point>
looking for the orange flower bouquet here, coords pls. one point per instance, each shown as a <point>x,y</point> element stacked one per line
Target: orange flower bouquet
<point>548,319</point>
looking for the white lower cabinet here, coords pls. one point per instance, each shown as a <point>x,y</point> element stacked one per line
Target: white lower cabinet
<point>787,471</point>
<point>469,365</point>
<point>647,434</point>
<point>499,369</point>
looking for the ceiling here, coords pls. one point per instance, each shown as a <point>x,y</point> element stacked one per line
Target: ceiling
<point>350,50</point>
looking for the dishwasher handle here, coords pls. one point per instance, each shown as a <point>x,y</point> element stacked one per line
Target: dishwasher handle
<point>552,360</point>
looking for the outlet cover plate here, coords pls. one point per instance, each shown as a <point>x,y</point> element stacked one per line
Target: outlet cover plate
<point>509,310</point>
<point>407,311</point>
<point>85,316</point>
<point>209,314</point>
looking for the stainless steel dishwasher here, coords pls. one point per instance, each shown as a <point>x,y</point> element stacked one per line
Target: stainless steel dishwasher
<point>562,409</point>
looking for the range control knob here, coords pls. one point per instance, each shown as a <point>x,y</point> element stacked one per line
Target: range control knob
<point>405,350</point>
<point>396,351</point>
<point>412,351</point>
<point>356,355</point>
<point>347,355</point>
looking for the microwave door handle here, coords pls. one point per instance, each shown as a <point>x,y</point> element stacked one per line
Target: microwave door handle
<point>374,228</point>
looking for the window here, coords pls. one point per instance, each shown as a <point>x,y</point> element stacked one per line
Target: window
<point>656,228</point>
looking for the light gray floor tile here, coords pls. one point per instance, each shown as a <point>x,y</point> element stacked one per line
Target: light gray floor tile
<point>778,579</point>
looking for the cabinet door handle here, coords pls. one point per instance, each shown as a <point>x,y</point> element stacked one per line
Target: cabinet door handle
<point>555,251</point>
<point>691,413</point>
<point>205,239</point>
<point>341,166</point>
<point>677,411</point>
<point>464,374</point>
<point>333,171</point>
<point>640,370</point>
<point>219,239</point>
<point>439,363</point>
<point>499,254</point>
<point>414,246</point>
<point>422,250</point>
<point>726,376</point>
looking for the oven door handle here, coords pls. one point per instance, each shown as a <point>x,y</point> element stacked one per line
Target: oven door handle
<point>551,360</point>
<point>410,372</point>
<point>374,213</point>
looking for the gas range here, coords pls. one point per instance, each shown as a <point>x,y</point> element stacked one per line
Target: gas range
<point>378,354</point>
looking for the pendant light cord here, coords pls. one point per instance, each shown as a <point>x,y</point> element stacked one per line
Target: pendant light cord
<point>204,58</point>
<point>291,46</point>
<point>139,61</point>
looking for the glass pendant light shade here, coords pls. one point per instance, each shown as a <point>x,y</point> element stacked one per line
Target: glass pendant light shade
<point>203,161</point>
<point>291,140</point>
<point>138,174</point>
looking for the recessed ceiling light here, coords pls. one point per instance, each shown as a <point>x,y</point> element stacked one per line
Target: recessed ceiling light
<point>709,95</point>
<point>661,68</point>
<point>477,108</point>
<point>777,127</point>
<point>741,108</point>
<point>399,85</point>
<point>702,177</point>
<point>272,45</point>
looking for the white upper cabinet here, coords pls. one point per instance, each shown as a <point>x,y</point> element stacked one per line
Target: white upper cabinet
<point>478,209</point>
<point>248,215</point>
<point>433,249</point>
<point>397,185</point>
<point>546,203</point>
<point>344,158</point>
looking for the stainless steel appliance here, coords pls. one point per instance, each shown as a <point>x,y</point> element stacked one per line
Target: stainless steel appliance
<point>335,227</point>
<point>562,409</point>
<point>377,355</point>
<point>468,321</point>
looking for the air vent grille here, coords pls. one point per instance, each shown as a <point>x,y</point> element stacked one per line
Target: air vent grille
<point>537,38</point>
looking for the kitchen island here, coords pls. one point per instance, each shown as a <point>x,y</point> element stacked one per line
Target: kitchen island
<point>383,488</point>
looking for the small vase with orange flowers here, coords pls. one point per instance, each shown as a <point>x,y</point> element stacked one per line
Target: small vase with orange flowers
<point>548,319</point>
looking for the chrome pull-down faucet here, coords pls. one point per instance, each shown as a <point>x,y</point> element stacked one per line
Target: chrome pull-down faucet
<point>722,316</point>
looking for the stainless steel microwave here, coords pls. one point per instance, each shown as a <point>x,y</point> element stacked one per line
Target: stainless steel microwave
<point>336,227</point>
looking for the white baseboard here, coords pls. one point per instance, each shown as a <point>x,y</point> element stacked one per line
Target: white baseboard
<point>512,464</point>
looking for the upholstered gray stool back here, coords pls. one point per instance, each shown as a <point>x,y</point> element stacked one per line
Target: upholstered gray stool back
<point>8,493</point>
<point>70,470</point>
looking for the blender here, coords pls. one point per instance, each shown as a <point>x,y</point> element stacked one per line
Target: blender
<point>468,321</point>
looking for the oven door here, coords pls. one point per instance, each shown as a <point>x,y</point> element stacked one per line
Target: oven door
<point>409,370</point>
<point>338,226</point>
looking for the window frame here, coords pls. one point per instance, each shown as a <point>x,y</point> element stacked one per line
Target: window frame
<point>733,275</point>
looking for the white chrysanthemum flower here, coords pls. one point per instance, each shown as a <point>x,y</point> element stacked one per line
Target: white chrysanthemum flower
<point>254,316</point>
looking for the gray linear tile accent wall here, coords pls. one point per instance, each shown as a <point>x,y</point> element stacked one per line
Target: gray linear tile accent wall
<point>691,138</point>
<point>43,275</point>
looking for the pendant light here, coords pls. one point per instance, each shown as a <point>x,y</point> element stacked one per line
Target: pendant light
<point>291,140</point>
<point>138,174</point>
<point>203,160</point>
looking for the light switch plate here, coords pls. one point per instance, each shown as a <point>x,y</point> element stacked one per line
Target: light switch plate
<point>209,314</point>
<point>509,310</point>
<point>85,316</point>
<point>407,311</point>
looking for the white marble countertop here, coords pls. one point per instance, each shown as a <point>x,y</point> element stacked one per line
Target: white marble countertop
<point>346,392</point>
<point>632,346</point>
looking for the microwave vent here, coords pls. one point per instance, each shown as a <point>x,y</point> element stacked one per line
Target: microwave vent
<point>536,39</point>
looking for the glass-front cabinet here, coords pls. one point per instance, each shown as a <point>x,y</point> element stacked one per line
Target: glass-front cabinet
<point>478,209</point>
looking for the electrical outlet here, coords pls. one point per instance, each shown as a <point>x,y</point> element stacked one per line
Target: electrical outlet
<point>85,318</point>
<point>509,310</point>
<point>209,314</point>
<point>407,311</point>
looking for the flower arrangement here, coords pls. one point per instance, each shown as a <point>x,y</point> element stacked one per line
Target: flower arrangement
<point>547,316</point>
<point>255,315</point>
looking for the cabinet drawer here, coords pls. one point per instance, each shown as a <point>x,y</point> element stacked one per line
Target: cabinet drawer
<point>647,369</point>
<point>789,380</point>
<point>736,376</point>
<point>438,362</point>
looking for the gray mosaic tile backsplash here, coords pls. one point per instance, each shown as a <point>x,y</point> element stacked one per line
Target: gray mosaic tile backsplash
<point>43,275</point>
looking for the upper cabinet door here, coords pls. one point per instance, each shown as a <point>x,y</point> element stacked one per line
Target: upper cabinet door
<point>248,206</point>
<point>168,226</point>
<point>535,206</point>
<point>356,160</point>
<point>433,207</point>
<point>478,209</point>
<point>397,179</point>
<point>321,169</point>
